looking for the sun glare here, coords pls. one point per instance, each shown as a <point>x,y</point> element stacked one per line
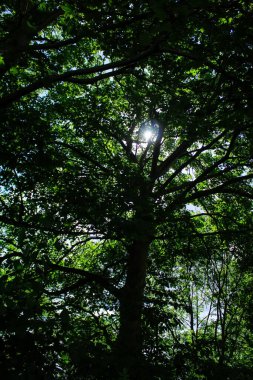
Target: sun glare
<point>148,135</point>
<point>148,131</point>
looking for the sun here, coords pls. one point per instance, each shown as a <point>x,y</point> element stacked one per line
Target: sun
<point>148,135</point>
<point>148,132</point>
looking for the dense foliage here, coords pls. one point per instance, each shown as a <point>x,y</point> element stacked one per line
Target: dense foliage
<point>126,189</point>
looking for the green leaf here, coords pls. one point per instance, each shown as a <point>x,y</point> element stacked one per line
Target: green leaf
<point>42,7</point>
<point>14,70</point>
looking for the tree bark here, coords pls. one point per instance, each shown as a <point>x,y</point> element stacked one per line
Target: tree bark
<point>128,355</point>
<point>129,345</point>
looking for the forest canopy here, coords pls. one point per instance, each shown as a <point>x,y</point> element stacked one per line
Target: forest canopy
<point>126,157</point>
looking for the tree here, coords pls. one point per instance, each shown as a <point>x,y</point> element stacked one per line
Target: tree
<point>90,198</point>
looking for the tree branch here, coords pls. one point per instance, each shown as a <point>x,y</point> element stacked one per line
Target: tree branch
<point>113,26</point>
<point>190,160</point>
<point>100,280</point>
<point>156,151</point>
<point>223,189</point>
<point>70,76</point>
<point>165,165</point>
<point>84,155</point>
<point>21,224</point>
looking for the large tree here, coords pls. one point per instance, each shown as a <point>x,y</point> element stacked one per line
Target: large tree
<point>126,142</point>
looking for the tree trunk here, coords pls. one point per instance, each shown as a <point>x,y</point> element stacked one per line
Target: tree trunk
<point>129,347</point>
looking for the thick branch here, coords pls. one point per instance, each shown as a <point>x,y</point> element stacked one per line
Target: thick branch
<point>23,224</point>
<point>156,151</point>
<point>32,21</point>
<point>109,27</point>
<point>196,234</point>
<point>100,280</point>
<point>84,155</point>
<point>71,76</point>
<point>55,44</point>
<point>165,165</point>
<point>203,175</point>
<point>223,189</point>
<point>188,162</point>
